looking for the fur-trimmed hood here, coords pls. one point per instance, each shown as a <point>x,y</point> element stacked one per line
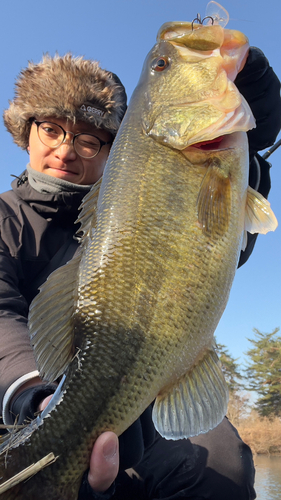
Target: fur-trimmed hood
<point>65,87</point>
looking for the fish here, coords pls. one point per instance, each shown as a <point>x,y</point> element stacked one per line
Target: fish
<point>130,320</point>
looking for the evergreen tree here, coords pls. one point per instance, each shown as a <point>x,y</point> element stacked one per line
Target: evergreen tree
<point>229,368</point>
<point>264,372</point>
<point>238,405</point>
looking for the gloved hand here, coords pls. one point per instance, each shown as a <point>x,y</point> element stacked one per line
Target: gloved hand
<point>105,462</point>
<point>260,86</point>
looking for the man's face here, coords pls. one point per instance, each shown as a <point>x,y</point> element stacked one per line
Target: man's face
<point>63,162</point>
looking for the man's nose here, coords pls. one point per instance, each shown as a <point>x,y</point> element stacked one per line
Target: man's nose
<point>66,149</point>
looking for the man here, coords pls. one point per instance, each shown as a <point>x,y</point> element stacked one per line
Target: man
<point>66,113</point>
<point>83,99</point>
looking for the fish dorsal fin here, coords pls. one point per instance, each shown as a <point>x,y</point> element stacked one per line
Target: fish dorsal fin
<point>214,201</point>
<point>88,214</point>
<point>195,404</point>
<point>50,321</point>
<point>259,218</point>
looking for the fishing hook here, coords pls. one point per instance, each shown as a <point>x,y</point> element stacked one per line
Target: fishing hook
<point>201,21</point>
<point>196,19</point>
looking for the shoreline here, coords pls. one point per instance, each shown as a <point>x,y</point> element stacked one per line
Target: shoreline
<point>261,434</point>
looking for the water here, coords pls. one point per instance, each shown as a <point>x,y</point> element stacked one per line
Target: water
<point>268,477</point>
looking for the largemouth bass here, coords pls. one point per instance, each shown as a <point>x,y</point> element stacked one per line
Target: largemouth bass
<point>132,317</point>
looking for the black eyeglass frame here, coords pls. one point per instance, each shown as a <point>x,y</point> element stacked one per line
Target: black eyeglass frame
<point>65,132</point>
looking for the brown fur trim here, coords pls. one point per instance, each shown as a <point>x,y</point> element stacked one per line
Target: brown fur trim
<point>65,87</point>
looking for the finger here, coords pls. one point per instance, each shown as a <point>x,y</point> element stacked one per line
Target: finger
<point>104,462</point>
<point>44,403</point>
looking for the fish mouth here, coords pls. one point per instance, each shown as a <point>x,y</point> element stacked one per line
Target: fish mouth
<point>219,143</point>
<point>209,145</point>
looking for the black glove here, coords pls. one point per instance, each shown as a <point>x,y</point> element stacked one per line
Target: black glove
<point>260,86</point>
<point>25,405</point>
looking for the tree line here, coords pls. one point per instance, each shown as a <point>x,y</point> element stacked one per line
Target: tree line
<point>262,373</point>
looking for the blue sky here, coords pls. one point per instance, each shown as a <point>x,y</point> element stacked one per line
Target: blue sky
<point>119,33</point>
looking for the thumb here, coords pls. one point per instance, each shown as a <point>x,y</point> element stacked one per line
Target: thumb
<point>104,463</point>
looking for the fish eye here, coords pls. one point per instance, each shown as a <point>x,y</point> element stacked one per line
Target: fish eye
<point>160,64</point>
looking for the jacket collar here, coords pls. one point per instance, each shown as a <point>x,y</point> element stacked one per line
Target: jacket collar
<point>54,205</point>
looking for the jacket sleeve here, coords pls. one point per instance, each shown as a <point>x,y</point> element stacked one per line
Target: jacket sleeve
<point>17,364</point>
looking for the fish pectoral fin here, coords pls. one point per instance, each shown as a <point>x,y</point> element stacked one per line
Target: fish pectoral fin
<point>195,404</point>
<point>244,241</point>
<point>88,214</point>
<point>259,218</point>
<point>50,321</point>
<point>214,201</point>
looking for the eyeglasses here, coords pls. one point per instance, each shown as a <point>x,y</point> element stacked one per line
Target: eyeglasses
<point>53,135</point>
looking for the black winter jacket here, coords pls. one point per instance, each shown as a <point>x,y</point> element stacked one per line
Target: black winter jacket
<point>33,227</point>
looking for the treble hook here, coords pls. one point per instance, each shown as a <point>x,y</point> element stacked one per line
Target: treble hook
<point>208,17</point>
<point>201,21</point>
<point>196,19</point>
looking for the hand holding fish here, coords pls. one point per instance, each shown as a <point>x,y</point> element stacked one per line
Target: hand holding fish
<point>104,462</point>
